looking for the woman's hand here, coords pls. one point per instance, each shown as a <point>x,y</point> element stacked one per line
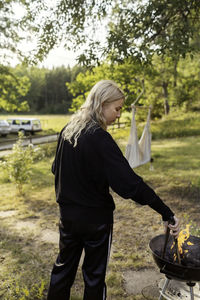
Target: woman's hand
<point>174,229</point>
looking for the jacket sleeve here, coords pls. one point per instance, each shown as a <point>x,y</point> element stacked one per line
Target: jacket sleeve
<point>124,181</point>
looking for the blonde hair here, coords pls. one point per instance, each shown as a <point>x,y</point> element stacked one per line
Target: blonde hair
<point>90,113</point>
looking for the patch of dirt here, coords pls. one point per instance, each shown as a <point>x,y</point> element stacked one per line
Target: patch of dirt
<point>30,227</point>
<point>49,236</point>
<point>25,225</point>
<point>8,213</point>
<point>138,281</point>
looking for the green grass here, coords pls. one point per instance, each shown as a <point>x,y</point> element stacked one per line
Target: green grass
<point>26,260</point>
<point>177,125</point>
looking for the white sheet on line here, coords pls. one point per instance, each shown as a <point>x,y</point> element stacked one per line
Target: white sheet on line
<point>139,152</point>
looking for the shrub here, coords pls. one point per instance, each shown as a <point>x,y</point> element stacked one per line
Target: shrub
<point>18,164</point>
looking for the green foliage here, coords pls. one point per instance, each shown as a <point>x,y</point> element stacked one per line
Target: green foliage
<point>186,92</point>
<point>66,21</point>
<point>127,75</point>
<point>44,151</point>
<point>19,291</point>
<point>138,29</point>
<point>48,92</point>
<point>13,27</point>
<point>12,92</point>
<point>18,164</point>
<point>167,82</point>
<point>163,27</point>
<point>84,82</point>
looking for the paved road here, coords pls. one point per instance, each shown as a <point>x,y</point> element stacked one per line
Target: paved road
<point>6,148</point>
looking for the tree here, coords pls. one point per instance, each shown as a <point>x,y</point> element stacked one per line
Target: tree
<point>48,92</point>
<point>12,28</point>
<point>128,75</point>
<point>155,26</point>
<point>186,92</point>
<point>163,74</point>
<point>36,93</point>
<point>135,29</point>
<point>165,83</point>
<point>80,87</point>
<point>132,29</point>
<point>12,92</point>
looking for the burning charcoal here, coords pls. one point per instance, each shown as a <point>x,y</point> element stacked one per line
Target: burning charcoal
<point>189,268</point>
<point>189,251</point>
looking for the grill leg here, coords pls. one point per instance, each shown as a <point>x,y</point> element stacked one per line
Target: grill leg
<point>191,285</point>
<point>164,289</point>
<point>191,293</point>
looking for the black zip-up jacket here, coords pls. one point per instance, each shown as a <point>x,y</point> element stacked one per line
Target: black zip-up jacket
<point>84,174</point>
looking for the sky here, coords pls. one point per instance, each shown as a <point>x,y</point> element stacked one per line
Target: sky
<point>56,57</point>
<point>59,57</point>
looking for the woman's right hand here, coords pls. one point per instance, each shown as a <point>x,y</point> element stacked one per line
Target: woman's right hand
<point>175,228</point>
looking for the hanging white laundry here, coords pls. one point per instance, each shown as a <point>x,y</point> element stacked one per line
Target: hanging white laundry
<point>139,152</point>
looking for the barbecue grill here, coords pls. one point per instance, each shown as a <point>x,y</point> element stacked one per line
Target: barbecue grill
<point>186,273</point>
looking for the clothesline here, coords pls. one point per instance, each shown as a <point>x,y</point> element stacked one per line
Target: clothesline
<point>141,107</point>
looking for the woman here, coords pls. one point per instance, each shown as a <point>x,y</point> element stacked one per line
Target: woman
<point>87,163</point>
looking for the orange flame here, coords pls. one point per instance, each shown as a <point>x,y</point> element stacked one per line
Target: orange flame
<point>182,238</point>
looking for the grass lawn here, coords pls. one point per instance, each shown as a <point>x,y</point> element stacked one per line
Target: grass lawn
<point>28,223</point>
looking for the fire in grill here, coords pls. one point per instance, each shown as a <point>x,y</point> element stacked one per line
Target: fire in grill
<point>188,270</point>
<point>188,248</point>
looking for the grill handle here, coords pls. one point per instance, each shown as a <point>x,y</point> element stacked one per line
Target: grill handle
<point>165,244</point>
<point>170,221</point>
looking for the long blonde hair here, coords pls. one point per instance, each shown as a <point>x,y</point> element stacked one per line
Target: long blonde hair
<point>90,113</point>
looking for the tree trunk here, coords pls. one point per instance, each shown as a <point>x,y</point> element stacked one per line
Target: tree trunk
<point>175,72</point>
<point>166,102</point>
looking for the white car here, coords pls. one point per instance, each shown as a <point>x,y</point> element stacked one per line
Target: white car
<point>4,128</point>
<point>25,125</point>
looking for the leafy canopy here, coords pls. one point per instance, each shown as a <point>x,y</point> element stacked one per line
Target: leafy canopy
<point>105,28</point>
<point>132,29</point>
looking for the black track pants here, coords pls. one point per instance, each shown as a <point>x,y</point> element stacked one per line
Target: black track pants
<point>95,239</point>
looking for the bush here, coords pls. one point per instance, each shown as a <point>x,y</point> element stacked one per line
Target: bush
<point>18,164</point>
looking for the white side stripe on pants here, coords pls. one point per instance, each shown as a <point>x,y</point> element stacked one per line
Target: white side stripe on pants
<point>109,248</point>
